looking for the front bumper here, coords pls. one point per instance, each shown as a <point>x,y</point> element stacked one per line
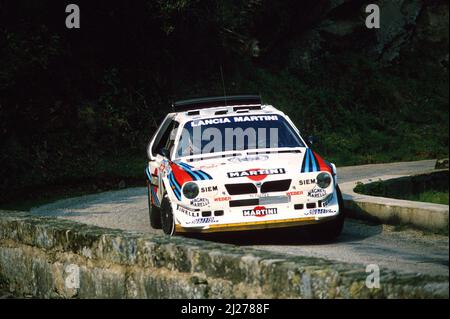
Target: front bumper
<point>303,204</point>
<point>245,226</point>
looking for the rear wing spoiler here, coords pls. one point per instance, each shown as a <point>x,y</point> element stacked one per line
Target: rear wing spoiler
<point>207,102</point>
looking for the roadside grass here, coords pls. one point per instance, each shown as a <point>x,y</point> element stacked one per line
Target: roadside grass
<point>428,188</point>
<point>431,196</point>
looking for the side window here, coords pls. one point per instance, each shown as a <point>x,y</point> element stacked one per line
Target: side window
<point>167,138</point>
<point>172,135</point>
<point>162,137</point>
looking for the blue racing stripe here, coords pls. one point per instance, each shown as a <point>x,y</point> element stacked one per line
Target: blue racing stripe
<point>198,174</point>
<point>194,175</point>
<point>207,176</point>
<point>307,161</point>
<point>314,162</point>
<point>172,183</point>
<point>204,174</point>
<point>155,198</point>
<point>147,171</point>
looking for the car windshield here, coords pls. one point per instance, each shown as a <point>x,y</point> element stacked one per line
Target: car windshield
<point>236,133</point>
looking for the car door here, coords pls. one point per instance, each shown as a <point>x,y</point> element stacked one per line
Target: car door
<point>162,139</point>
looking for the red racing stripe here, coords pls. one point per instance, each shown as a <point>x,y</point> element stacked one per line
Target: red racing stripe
<point>323,166</point>
<point>180,175</point>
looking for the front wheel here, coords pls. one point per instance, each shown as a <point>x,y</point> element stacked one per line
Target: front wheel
<point>167,219</point>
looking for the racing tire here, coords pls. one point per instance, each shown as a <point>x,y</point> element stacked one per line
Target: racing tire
<point>330,230</point>
<point>153,211</point>
<point>167,219</point>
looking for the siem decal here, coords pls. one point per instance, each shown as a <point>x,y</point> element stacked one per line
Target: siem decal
<point>199,202</point>
<point>259,211</point>
<point>208,189</point>
<point>307,181</point>
<point>257,174</point>
<point>187,211</point>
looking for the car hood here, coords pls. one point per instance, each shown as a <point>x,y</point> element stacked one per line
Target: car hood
<point>256,167</point>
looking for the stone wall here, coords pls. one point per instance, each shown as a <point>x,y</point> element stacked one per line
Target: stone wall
<point>40,257</point>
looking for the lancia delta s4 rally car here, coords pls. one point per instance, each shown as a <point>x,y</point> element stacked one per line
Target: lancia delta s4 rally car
<point>231,164</point>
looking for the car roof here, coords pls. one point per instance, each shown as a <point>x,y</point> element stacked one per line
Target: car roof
<point>223,111</point>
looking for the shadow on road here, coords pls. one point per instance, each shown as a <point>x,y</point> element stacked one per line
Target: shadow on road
<point>353,231</point>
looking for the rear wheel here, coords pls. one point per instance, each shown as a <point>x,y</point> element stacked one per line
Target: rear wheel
<point>331,229</point>
<point>167,219</point>
<point>153,211</point>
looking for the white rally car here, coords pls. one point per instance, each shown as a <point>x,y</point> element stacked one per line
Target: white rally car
<point>232,163</point>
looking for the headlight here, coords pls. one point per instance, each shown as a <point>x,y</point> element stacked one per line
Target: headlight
<point>190,190</point>
<point>323,180</point>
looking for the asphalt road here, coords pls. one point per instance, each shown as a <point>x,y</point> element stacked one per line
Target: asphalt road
<point>360,243</point>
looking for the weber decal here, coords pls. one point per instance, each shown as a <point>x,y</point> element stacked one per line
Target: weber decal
<point>257,174</point>
<point>222,199</point>
<point>294,193</point>
<point>259,211</point>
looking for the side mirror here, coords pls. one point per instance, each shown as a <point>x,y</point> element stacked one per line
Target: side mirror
<point>311,140</point>
<point>165,153</point>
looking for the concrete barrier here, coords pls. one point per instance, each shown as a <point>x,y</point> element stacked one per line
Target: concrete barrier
<point>54,258</point>
<point>425,216</point>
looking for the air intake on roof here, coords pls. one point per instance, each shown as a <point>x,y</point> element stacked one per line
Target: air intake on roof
<point>207,102</point>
